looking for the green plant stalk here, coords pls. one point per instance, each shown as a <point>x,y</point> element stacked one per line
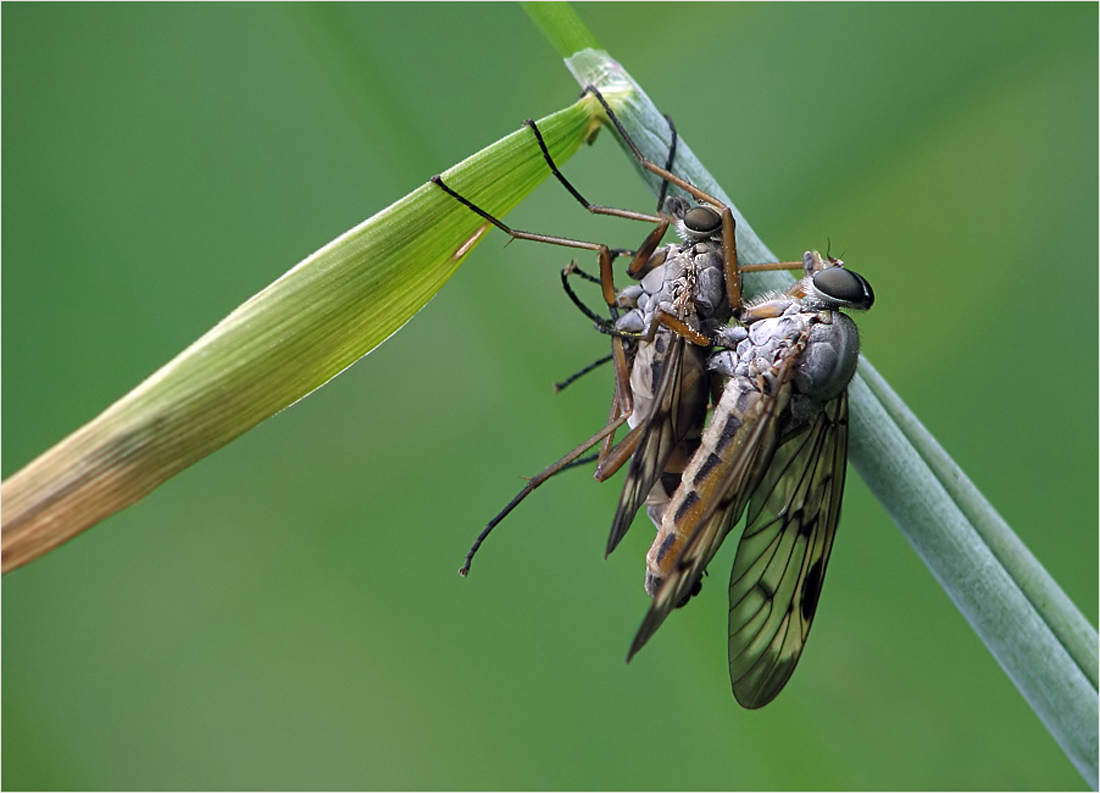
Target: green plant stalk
<point>561,25</point>
<point>292,337</point>
<point>1064,618</point>
<point>1041,640</point>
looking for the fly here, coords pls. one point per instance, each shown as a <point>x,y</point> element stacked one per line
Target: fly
<point>776,444</point>
<point>659,347</point>
<point>680,303</point>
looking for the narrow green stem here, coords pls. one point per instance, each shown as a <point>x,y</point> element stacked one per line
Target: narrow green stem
<point>1037,635</point>
<point>561,25</point>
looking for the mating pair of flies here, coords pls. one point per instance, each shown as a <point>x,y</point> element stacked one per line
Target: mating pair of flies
<point>776,371</point>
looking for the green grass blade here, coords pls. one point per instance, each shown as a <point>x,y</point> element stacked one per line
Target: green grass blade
<point>304,329</point>
<point>561,25</point>
<point>1058,612</point>
<point>1036,634</point>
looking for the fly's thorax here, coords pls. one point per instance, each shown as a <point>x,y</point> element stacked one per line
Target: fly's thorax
<point>694,287</point>
<point>826,344</point>
<point>710,283</point>
<point>689,284</point>
<point>828,362</point>
<point>627,297</point>
<point>757,349</point>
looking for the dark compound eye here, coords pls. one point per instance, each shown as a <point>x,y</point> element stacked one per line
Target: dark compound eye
<point>845,287</point>
<point>702,220</point>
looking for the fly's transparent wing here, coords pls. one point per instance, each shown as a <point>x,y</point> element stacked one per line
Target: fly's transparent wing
<point>780,564</point>
<point>736,452</point>
<point>679,396</point>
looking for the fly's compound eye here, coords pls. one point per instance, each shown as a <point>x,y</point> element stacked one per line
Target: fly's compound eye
<point>702,220</point>
<point>844,287</point>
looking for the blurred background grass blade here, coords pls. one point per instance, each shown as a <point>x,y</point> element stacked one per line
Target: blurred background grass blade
<point>1038,636</point>
<point>304,329</point>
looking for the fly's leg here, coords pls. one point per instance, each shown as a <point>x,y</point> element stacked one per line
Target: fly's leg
<point>679,327</point>
<point>603,210</point>
<point>616,457</point>
<point>668,162</point>
<point>622,403</point>
<point>534,482</point>
<point>602,325</point>
<point>652,240</point>
<point>729,244</point>
<point>641,255</point>
<point>602,251</point>
<point>641,261</point>
<point>559,386</point>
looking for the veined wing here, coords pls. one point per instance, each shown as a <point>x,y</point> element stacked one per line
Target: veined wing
<point>679,402</point>
<point>780,564</point>
<point>736,451</point>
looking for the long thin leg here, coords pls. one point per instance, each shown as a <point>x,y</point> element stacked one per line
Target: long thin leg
<point>648,164</point>
<point>602,324</point>
<point>729,244</point>
<point>578,375</point>
<point>602,251</point>
<point>652,240</point>
<point>668,163</point>
<point>640,258</point>
<point>596,209</point>
<point>535,482</point>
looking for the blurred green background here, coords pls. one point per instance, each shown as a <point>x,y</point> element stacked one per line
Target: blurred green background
<point>286,614</point>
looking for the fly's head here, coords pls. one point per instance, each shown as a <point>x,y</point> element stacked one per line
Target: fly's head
<point>828,285</point>
<point>694,223</point>
<point>831,353</point>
